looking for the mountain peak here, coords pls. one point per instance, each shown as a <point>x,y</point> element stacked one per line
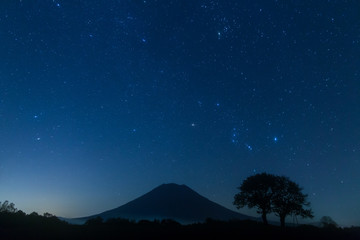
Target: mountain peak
<point>172,201</point>
<point>172,186</point>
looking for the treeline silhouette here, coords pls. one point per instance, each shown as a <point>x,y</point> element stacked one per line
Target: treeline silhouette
<point>18,225</point>
<point>266,193</point>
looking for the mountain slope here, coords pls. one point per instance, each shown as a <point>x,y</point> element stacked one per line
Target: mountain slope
<point>177,202</point>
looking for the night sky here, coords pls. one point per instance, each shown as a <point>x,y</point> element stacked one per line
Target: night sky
<point>102,101</point>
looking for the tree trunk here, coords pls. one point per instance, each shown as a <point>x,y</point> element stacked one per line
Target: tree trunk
<point>263,216</point>
<point>282,221</point>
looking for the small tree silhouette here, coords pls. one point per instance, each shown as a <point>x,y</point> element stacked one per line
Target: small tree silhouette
<point>289,200</point>
<point>48,215</point>
<point>7,207</point>
<point>257,191</point>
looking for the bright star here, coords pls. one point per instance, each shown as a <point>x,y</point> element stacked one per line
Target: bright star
<point>249,147</point>
<point>275,139</point>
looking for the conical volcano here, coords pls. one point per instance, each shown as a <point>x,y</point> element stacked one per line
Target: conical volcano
<point>172,201</point>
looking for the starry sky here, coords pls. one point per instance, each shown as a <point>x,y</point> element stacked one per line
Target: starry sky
<point>101,101</point>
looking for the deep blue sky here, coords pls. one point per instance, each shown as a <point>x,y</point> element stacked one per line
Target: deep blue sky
<point>101,101</point>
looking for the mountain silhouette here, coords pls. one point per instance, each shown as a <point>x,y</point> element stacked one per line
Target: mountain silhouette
<point>170,201</point>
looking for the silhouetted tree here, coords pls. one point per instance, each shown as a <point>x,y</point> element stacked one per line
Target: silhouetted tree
<point>48,215</point>
<point>257,192</point>
<point>328,222</point>
<point>7,207</point>
<point>289,200</point>
<point>34,214</point>
<point>169,222</point>
<point>20,213</point>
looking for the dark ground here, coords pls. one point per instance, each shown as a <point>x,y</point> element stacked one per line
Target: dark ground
<point>22,226</point>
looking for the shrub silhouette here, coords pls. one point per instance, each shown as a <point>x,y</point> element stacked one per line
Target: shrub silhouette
<point>94,221</point>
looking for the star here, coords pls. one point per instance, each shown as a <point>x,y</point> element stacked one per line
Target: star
<point>248,147</point>
<point>234,135</point>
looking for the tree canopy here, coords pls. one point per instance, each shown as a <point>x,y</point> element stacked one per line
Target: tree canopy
<point>7,207</point>
<point>256,192</point>
<point>270,193</point>
<point>289,200</point>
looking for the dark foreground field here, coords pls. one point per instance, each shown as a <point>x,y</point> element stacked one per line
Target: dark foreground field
<point>33,226</point>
